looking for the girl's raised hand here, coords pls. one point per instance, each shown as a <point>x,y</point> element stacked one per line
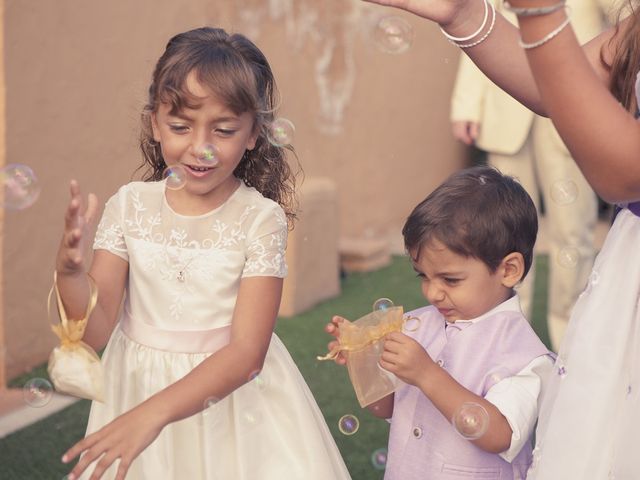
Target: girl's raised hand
<point>77,220</point>
<point>121,440</point>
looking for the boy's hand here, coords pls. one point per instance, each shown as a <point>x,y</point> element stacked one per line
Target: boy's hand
<point>77,220</point>
<point>333,329</point>
<point>406,358</point>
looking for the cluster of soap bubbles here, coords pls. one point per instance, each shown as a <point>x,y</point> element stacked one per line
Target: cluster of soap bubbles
<point>393,35</point>
<point>208,155</point>
<point>471,420</point>
<point>20,186</point>
<point>37,392</point>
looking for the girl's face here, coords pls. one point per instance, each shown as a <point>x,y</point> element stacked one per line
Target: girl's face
<point>461,288</point>
<point>183,135</point>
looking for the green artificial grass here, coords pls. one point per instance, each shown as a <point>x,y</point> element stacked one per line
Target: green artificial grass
<point>33,453</point>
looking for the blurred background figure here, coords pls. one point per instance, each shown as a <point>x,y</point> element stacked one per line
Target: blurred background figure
<point>527,146</point>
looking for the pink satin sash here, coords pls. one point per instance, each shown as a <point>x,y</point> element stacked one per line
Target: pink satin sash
<point>178,341</point>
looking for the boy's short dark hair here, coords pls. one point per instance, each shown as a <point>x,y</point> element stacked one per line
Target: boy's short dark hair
<point>476,212</point>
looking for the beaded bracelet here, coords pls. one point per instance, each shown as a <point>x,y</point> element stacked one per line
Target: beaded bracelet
<point>549,36</point>
<point>474,34</point>
<point>484,37</point>
<point>533,11</point>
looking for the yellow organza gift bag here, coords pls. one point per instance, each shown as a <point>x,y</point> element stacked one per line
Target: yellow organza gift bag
<point>362,342</point>
<point>74,367</point>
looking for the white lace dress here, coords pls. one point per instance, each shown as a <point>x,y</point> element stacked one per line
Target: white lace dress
<point>590,416</point>
<point>184,274</point>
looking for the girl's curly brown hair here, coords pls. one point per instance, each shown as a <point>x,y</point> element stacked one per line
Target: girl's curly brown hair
<point>625,64</point>
<point>237,72</point>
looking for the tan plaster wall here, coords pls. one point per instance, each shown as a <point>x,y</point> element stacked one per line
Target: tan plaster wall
<point>3,348</point>
<point>76,74</point>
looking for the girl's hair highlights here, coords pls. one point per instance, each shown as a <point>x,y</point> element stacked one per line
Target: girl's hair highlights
<point>239,74</point>
<point>625,64</point>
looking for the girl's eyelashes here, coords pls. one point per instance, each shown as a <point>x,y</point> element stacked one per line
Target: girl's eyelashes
<point>225,132</point>
<point>178,128</point>
<point>452,281</point>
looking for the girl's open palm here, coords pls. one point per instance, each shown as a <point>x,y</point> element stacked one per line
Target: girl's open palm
<point>77,222</point>
<point>440,11</point>
<point>123,439</point>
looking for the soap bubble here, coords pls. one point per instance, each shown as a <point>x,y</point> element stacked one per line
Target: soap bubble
<point>393,34</point>
<point>37,392</point>
<point>259,379</point>
<point>176,177</point>
<point>348,424</point>
<point>20,186</point>
<point>281,132</point>
<point>568,257</point>
<point>379,459</point>
<point>411,324</point>
<point>210,402</point>
<point>564,192</point>
<point>471,420</point>
<point>208,154</point>
<point>500,379</point>
<point>250,417</point>
<point>382,304</point>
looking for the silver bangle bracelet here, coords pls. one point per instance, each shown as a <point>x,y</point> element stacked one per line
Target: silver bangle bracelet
<point>487,33</point>
<point>533,11</point>
<point>474,34</point>
<point>549,36</point>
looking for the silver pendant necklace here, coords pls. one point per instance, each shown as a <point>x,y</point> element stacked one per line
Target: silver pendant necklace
<point>182,272</point>
<point>182,266</point>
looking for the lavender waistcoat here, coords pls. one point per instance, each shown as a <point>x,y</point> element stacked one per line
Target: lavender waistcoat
<point>422,443</point>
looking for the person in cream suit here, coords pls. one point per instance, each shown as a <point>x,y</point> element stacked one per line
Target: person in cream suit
<point>526,146</point>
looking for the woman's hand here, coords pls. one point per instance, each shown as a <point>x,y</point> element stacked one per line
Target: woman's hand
<point>439,11</point>
<point>77,222</point>
<point>123,439</point>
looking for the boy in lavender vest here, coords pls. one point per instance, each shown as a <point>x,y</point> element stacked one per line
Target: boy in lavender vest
<point>471,242</point>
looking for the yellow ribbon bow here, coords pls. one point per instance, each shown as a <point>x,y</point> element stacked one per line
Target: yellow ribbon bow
<point>70,332</point>
<point>355,336</point>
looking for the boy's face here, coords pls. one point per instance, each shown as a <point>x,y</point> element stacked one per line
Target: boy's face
<point>461,288</point>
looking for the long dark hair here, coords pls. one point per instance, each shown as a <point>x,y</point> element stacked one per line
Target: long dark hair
<point>625,63</point>
<point>237,72</point>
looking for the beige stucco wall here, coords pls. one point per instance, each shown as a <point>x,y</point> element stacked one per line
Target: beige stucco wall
<point>76,74</point>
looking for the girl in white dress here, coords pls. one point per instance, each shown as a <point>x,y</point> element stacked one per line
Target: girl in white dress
<point>197,384</point>
<point>590,416</point>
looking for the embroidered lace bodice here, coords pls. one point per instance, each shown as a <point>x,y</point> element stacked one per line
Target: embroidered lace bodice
<point>185,271</point>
